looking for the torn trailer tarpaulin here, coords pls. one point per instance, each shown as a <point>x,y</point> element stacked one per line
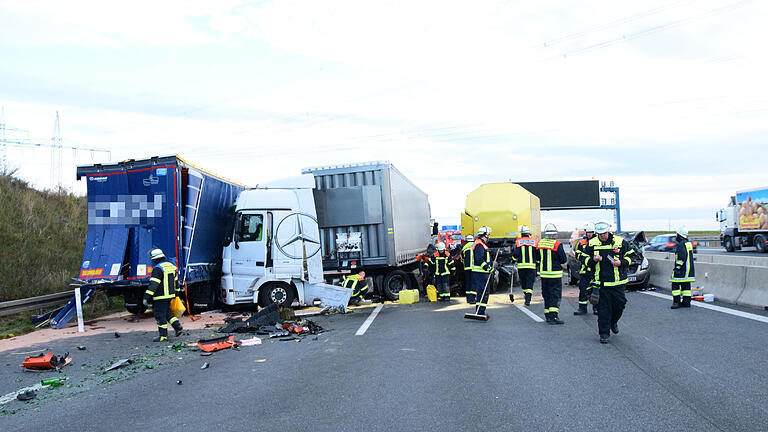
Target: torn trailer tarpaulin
<point>268,316</point>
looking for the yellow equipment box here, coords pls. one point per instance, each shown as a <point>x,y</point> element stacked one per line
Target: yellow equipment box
<point>409,296</point>
<point>432,293</point>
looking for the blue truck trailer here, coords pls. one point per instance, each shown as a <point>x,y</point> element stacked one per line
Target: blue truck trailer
<point>161,202</point>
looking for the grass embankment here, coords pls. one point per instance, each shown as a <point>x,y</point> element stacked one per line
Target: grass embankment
<point>42,235</point>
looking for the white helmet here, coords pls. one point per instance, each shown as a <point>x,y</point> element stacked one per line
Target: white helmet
<point>441,246</point>
<point>682,232</point>
<point>550,230</point>
<point>524,230</point>
<point>483,230</point>
<point>156,254</point>
<point>602,227</point>
<point>589,227</point>
<point>469,238</point>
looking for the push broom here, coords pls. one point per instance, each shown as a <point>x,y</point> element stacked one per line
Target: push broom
<point>476,315</point>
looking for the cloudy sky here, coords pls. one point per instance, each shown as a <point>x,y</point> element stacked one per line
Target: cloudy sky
<point>665,98</point>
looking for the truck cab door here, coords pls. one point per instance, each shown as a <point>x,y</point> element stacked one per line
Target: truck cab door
<point>249,256</point>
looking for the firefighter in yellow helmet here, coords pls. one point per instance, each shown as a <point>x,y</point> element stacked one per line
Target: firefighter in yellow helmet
<point>163,287</point>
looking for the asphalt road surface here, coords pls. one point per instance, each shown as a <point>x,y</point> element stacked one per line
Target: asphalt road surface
<point>423,367</point>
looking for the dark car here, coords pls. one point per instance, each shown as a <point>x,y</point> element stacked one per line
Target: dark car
<point>638,273</point>
<point>665,243</point>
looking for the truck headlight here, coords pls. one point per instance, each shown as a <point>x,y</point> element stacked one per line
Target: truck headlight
<point>644,264</point>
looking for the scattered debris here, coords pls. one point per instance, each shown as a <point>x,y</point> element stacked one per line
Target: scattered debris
<point>250,342</point>
<point>26,395</point>
<point>260,360</point>
<point>53,382</point>
<point>205,354</point>
<point>117,335</point>
<point>81,347</point>
<point>216,344</point>
<point>268,316</point>
<point>119,364</point>
<point>279,334</point>
<point>46,362</point>
<point>179,382</point>
<point>287,314</point>
<point>149,366</point>
<point>205,365</point>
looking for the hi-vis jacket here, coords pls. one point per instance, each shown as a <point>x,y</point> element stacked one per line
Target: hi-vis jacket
<point>481,257</point>
<point>683,271</point>
<point>551,257</point>
<point>442,263</point>
<point>466,255</point>
<point>615,247</point>
<point>163,284</point>
<point>525,252</point>
<point>351,281</point>
<point>583,258</point>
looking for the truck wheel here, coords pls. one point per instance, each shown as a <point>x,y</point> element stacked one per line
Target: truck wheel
<point>133,303</point>
<point>394,282</point>
<point>279,293</point>
<point>759,241</point>
<point>728,244</point>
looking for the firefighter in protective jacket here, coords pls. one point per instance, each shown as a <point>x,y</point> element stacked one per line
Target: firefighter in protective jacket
<point>683,273</point>
<point>525,255</point>
<point>163,287</point>
<point>586,272</point>
<point>358,285</point>
<point>611,256</point>
<point>551,257</point>
<point>443,265</point>
<point>466,259</point>
<point>482,267</point>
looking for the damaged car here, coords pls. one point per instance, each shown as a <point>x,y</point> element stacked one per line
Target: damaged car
<point>638,274</point>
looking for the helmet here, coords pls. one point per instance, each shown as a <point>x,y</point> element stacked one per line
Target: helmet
<point>524,230</point>
<point>682,232</point>
<point>550,230</point>
<point>469,238</point>
<point>483,230</point>
<point>589,227</point>
<point>602,227</point>
<point>441,246</point>
<point>156,254</point>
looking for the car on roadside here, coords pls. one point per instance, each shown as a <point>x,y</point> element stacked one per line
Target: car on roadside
<point>666,243</point>
<point>638,274</point>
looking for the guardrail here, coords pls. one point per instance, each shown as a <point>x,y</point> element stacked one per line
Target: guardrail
<point>32,303</point>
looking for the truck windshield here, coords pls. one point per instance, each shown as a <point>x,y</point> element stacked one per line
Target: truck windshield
<point>250,227</point>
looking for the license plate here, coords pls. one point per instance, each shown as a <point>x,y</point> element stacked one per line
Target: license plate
<point>633,278</point>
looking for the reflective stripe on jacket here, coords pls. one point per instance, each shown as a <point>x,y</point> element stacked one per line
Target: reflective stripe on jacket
<point>442,263</point>
<point>163,284</point>
<point>551,257</point>
<point>525,252</point>
<point>615,247</point>
<point>481,257</point>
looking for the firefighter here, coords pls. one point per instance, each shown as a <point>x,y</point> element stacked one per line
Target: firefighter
<point>611,256</point>
<point>551,256</point>
<point>683,273</point>
<point>586,272</point>
<point>466,258</point>
<point>525,256</point>
<point>482,267</point>
<point>358,285</point>
<point>443,265</point>
<point>163,287</point>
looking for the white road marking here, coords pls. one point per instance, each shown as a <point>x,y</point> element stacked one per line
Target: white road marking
<point>367,323</point>
<point>714,308</point>
<point>12,396</point>
<point>530,314</point>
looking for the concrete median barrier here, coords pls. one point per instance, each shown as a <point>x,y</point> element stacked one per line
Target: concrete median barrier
<point>738,280</point>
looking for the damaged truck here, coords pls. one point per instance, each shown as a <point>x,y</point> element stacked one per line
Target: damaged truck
<point>291,239</point>
<point>164,202</point>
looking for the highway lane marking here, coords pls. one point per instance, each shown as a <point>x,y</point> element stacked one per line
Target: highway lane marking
<point>530,314</point>
<point>714,308</point>
<point>367,323</point>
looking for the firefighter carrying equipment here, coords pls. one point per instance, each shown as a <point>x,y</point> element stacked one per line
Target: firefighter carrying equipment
<point>46,361</point>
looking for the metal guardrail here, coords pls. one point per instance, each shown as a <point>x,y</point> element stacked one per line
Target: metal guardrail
<point>32,303</point>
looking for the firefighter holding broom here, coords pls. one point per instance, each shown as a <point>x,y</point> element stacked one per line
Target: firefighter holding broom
<point>482,268</point>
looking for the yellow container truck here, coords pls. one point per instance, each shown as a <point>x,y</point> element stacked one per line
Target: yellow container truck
<point>503,207</point>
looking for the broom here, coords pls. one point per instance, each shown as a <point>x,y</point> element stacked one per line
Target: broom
<point>476,316</point>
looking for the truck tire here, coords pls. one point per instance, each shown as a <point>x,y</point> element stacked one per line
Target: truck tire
<point>394,282</point>
<point>133,301</point>
<point>276,292</point>
<point>759,241</point>
<point>728,244</point>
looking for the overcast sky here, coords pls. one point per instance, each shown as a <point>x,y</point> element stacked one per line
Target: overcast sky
<point>668,99</point>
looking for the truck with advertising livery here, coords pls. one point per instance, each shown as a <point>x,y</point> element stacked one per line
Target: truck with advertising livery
<point>293,238</point>
<point>744,222</point>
